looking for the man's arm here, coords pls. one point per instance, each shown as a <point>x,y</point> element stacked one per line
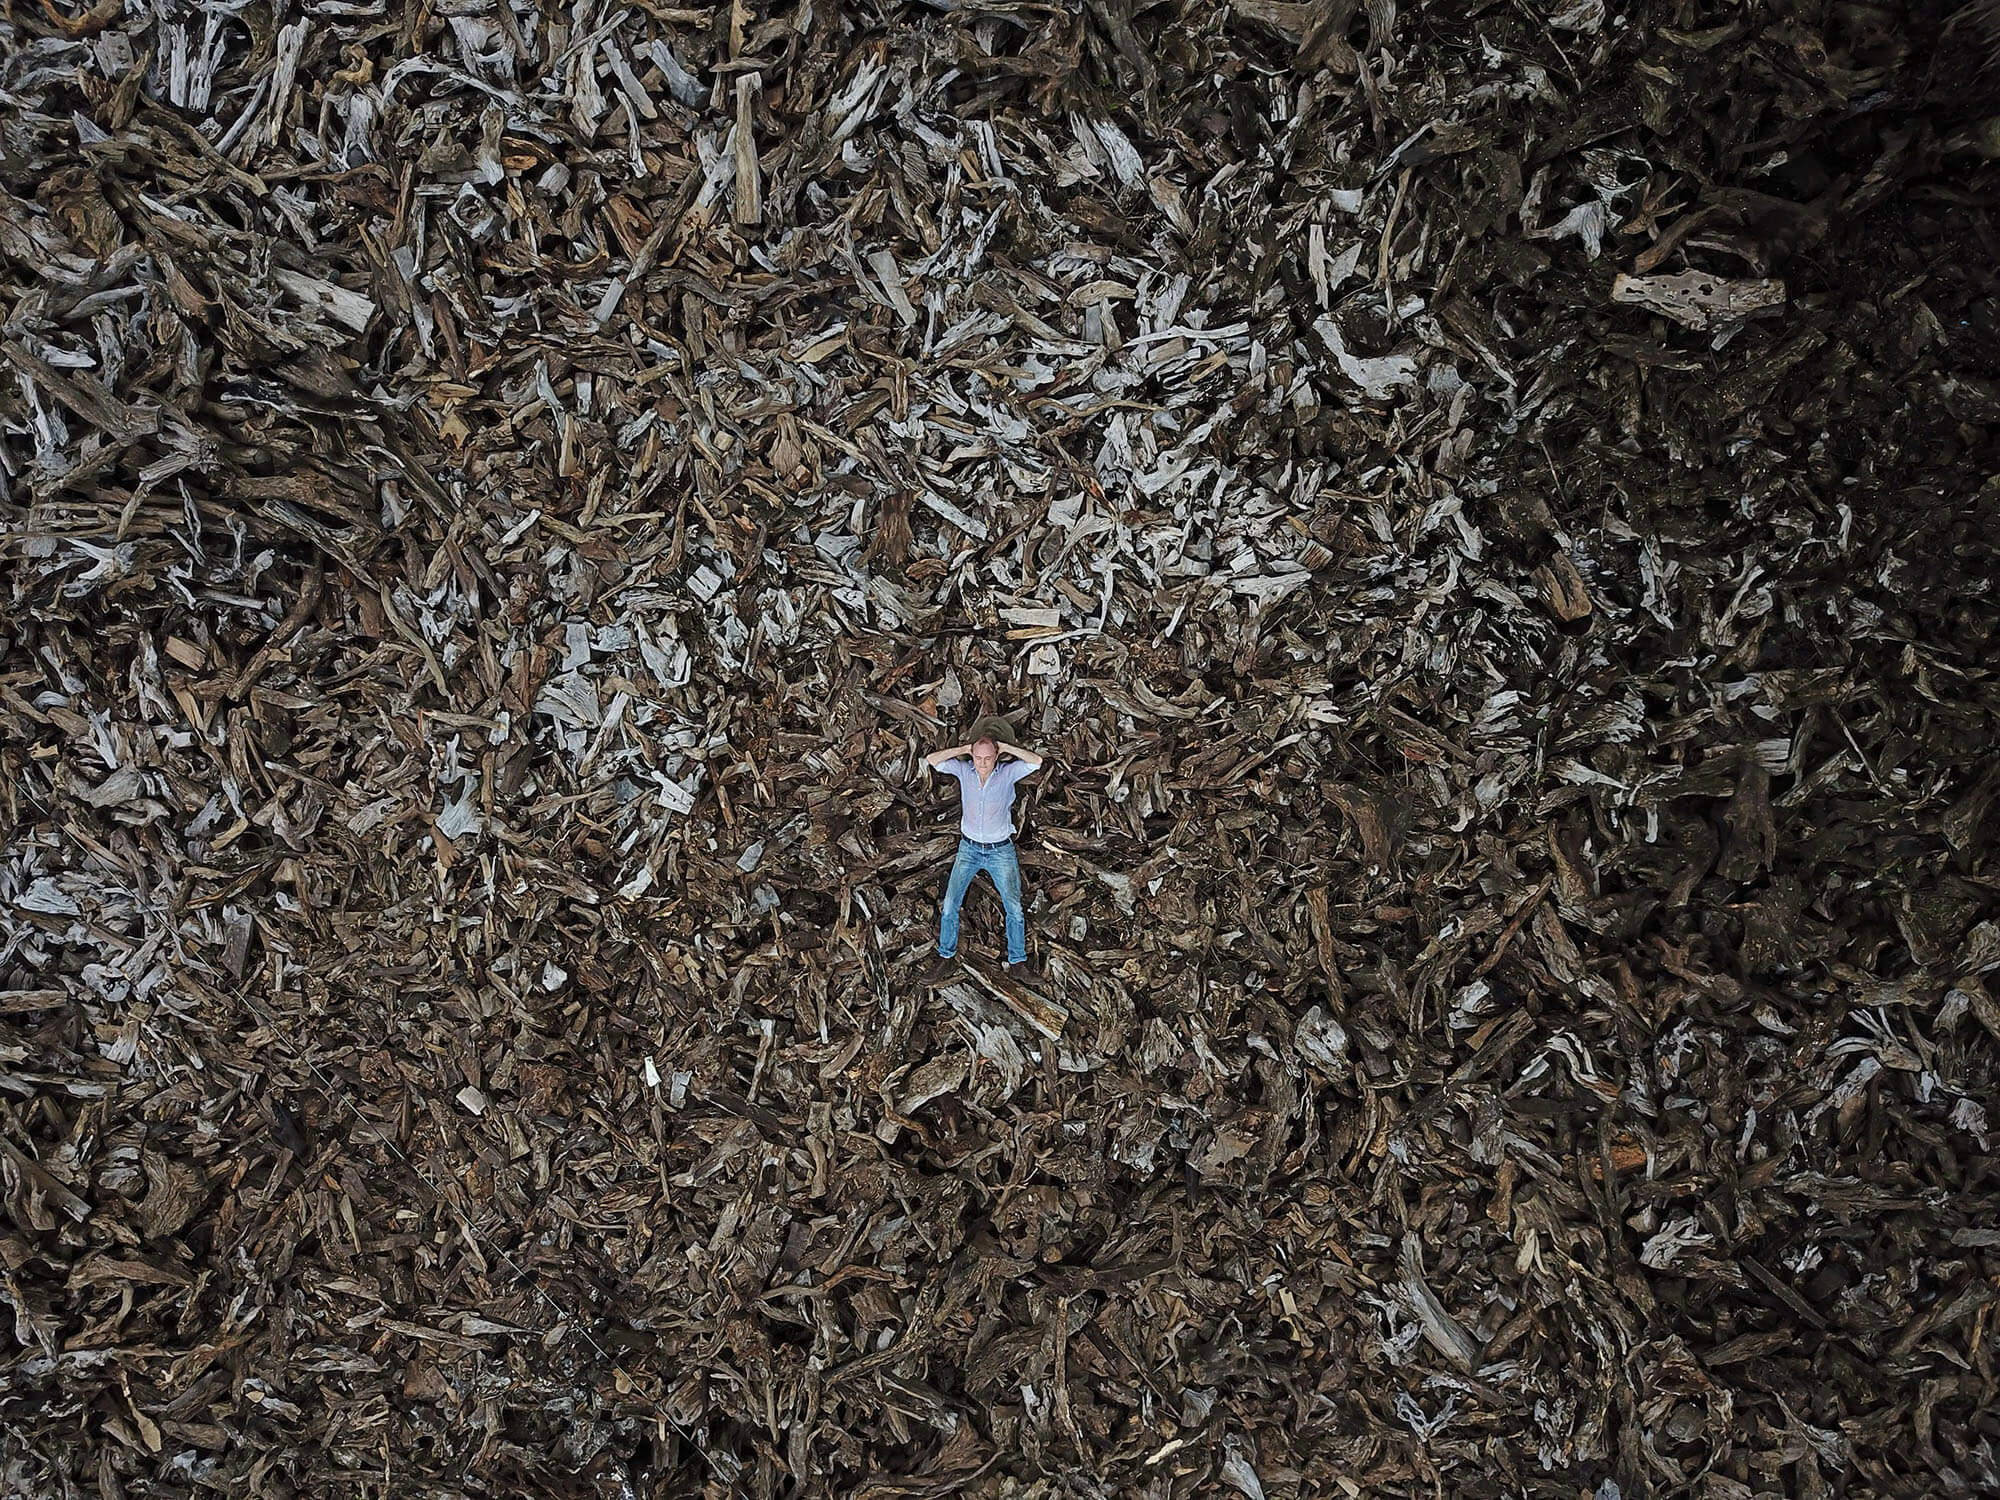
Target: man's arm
<point>938,757</point>
<point>1033,760</point>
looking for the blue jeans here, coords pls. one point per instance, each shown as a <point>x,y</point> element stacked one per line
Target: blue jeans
<point>1004,870</point>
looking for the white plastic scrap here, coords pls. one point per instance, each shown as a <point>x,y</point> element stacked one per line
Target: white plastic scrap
<point>1237,1470</point>
<point>1970,1116</point>
<point>43,896</point>
<point>1321,1040</point>
<point>1413,1415</point>
<point>1674,1236</point>
<point>1378,375</point>
<point>459,818</point>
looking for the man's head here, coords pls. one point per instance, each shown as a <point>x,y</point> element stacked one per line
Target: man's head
<point>988,733</point>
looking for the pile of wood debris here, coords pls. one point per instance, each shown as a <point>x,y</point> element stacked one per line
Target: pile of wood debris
<point>1488,509</point>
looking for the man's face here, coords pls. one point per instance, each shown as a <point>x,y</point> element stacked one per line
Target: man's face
<point>985,755</point>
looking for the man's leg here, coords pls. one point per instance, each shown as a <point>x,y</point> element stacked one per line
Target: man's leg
<point>1005,868</point>
<point>963,867</point>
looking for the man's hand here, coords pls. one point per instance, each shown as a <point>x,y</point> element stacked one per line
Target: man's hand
<point>938,757</point>
<point>1018,753</point>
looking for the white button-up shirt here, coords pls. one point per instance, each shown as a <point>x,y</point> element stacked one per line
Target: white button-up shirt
<point>986,808</point>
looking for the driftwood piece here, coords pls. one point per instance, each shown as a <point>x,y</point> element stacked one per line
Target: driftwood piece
<point>1698,300</point>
